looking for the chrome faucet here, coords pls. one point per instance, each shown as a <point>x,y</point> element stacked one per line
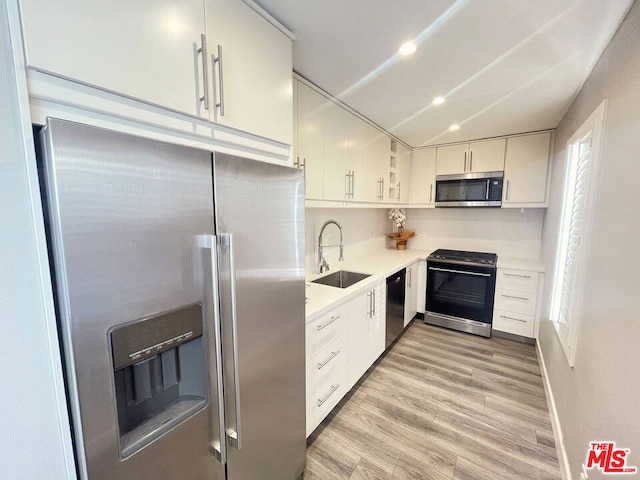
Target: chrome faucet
<point>323,266</point>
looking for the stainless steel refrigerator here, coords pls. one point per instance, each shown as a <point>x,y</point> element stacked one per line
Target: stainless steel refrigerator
<point>179,278</point>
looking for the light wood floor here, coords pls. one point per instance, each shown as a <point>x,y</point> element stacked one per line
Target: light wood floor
<point>441,405</point>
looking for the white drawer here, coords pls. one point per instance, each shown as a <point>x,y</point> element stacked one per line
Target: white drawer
<point>327,397</point>
<point>324,330</point>
<point>518,302</point>
<point>517,280</point>
<point>325,363</point>
<point>516,323</point>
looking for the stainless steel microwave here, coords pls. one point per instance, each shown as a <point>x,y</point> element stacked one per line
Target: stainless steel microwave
<point>482,189</point>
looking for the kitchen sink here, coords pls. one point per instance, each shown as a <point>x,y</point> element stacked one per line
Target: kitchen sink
<point>341,279</point>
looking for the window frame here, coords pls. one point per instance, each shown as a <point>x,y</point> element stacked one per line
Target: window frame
<point>594,125</point>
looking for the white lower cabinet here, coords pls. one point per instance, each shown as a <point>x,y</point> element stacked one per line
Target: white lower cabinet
<point>340,346</point>
<point>411,293</point>
<point>516,302</point>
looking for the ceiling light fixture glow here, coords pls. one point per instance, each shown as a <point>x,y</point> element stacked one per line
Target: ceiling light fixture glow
<point>439,100</point>
<point>454,127</point>
<point>407,48</point>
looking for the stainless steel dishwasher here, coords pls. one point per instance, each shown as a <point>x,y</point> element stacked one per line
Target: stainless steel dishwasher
<point>395,305</point>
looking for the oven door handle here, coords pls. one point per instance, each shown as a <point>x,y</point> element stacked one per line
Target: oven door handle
<point>477,274</point>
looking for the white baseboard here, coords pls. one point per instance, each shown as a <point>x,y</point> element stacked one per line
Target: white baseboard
<point>563,460</point>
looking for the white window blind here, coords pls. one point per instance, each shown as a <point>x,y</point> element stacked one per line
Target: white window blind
<point>574,228</point>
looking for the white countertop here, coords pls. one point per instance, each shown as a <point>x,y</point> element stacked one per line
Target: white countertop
<point>322,298</point>
<point>380,265</point>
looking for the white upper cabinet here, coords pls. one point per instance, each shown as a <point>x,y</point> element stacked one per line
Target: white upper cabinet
<point>183,55</point>
<point>452,159</point>
<point>337,169</point>
<point>403,171</point>
<point>358,144</point>
<point>146,49</point>
<point>379,148</point>
<point>486,156</point>
<point>525,171</point>
<point>423,176</point>
<point>481,156</point>
<point>310,141</point>
<point>250,64</point>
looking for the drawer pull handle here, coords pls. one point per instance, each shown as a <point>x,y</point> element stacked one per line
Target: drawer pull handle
<point>326,397</point>
<point>515,275</point>
<point>333,319</point>
<point>329,358</point>
<point>517,298</point>
<point>513,318</point>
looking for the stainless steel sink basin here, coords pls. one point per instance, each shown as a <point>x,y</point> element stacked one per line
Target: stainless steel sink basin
<point>341,279</point>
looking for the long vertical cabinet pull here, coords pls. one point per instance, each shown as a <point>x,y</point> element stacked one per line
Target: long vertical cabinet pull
<point>430,193</point>
<point>471,161</point>
<point>409,283</point>
<point>218,59</point>
<point>353,183</point>
<point>235,437</point>
<point>347,185</point>
<point>465,161</point>
<point>508,184</point>
<point>373,303</point>
<point>369,309</point>
<point>205,70</point>
<point>218,448</point>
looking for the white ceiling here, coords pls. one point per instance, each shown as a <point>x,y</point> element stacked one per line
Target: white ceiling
<point>505,66</point>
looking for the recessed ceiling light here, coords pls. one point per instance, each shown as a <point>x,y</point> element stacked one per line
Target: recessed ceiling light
<point>439,100</point>
<point>407,48</point>
<point>454,127</point>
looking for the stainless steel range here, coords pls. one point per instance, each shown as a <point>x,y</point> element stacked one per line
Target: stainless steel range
<point>460,290</point>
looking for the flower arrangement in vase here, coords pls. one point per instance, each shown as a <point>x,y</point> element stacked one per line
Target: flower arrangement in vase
<point>399,217</point>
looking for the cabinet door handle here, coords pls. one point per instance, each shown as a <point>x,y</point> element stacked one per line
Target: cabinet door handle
<point>430,193</point>
<point>329,358</point>
<point>296,163</point>
<point>508,189</point>
<point>218,60</point>
<point>324,325</point>
<point>465,161</point>
<point>326,397</point>
<point>516,298</point>
<point>373,304</point>
<point>516,275</point>
<point>513,318</point>
<point>347,184</point>
<point>205,70</point>
<point>471,161</point>
<point>353,183</point>
<point>303,165</point>
<point>369,311</point>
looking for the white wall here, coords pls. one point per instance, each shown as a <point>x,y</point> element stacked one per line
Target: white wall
<point>507,232</point>
<point>598,399</point>
<point>357,225</point>
<point>35,441</point>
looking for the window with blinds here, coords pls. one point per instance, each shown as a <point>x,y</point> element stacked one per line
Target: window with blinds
<point>569,277</point>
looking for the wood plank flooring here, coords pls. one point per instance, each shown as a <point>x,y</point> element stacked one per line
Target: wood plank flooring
<point>440,405</point>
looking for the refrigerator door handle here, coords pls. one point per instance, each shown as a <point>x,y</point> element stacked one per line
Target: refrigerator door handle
<point>218,447</point>
<point>234,436</point>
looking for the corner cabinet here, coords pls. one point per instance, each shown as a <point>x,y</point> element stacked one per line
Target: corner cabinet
<point>423,177</point>
<point>525,171</point>
<point>165,53</point>
<point>310,112</point>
